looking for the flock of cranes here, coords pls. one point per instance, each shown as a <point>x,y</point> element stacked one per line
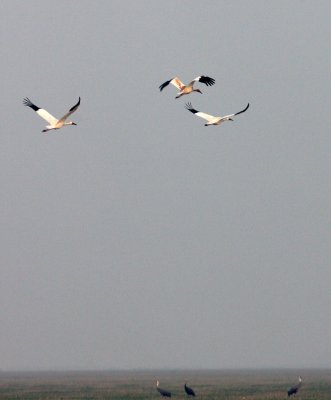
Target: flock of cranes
<point>187,89</point>
<point>55,123</point>
<point>190,392</point>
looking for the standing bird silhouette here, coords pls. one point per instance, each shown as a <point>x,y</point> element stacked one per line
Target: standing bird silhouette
<point>163,392</point>
<point>294,389</point>
<point>189,391</point>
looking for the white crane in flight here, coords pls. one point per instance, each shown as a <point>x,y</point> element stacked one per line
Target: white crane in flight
<point>54,123</point>
<point>210,118</point>
<point>186,89</point>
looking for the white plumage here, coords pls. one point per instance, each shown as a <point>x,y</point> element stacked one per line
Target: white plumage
<point>186,89</point>
<point>54,123</point>
<point>210,118</point>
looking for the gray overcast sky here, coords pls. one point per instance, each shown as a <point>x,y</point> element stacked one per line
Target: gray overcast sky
<point>141,238</point>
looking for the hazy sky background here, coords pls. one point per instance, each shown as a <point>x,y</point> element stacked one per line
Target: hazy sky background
<point>141,238</point>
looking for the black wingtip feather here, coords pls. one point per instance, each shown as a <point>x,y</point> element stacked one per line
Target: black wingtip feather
<point>27,102</point>
<point>161,87</point>
<point>207,80</point>
<point>189,107</point>
<point>76,105</point>
<point>245,109</point>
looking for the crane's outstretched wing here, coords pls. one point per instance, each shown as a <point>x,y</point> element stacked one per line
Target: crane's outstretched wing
<point>41,112</point>
<point>226,117</point>
<point>245,109</point>
<point>174,81</point>
<point>232,115</point>
<point>71,111</point>
<point>204,79</point>
<point>200,114</point>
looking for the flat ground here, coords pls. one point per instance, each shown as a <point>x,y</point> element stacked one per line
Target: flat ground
<point>209,385</point>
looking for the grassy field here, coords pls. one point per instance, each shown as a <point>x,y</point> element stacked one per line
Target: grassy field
<point>209,385</point>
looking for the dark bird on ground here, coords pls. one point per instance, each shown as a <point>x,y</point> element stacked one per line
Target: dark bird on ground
<point>163,392</point>
<point>294,389</point>
<point>189,391</point>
